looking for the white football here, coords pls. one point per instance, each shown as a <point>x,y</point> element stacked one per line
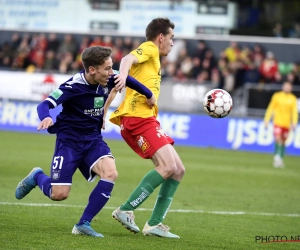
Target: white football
<point>217,103</point>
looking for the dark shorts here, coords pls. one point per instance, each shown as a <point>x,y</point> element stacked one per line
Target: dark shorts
<point>70,155</point>
<point>144,135</point>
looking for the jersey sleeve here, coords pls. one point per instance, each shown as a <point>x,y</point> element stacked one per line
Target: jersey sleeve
<point>43,109</point>
<point>62,94</point>
<point>145,52</point>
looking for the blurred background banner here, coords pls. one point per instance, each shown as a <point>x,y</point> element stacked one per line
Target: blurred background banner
<point>89,15</point>
<point>186,129</point>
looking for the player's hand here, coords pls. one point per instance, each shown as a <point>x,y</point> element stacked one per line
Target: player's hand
<point>46,123</point>
<point>151,101</point>
<point>120,81</point>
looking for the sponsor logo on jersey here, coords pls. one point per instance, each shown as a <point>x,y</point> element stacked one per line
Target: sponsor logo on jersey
<point>142,143</point>
<point>93,112</point>
<point>139,51</point>
<point>160,133</point>
<point>98,102</point>
<point>56,94</point>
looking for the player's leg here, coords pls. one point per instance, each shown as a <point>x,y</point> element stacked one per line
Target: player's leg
<point>99,161</point>
<point>279,146</point>
<point>139,134</point>
<point>167,191</point>
<point>57,185</point>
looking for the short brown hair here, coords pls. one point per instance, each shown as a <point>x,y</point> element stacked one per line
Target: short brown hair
<point>158,26</point>
<point>95,56</point>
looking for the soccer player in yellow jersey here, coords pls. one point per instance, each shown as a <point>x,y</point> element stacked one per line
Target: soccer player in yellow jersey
<point>283,108</point>
<point>142,132</point>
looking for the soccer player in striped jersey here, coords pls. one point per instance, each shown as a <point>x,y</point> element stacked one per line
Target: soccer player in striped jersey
<point>142,132</point>
<point>283,109</point>
<point>79,143</point>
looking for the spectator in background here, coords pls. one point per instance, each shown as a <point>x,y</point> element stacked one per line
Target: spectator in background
<point>66,61</point>
<point>293,78</point>
<point>186,66</point>
<point>6,51</point>
<point>278,78</point>
<point>200,50</point>
<point>258,55</point>
<point>196,68</point>
<point>176,51</point>
<point>203,77</point>
<point>15,41</point>
<point>268,68</point>
<point>232,52</point>
<point>209,55</point>
<point>107,42</point>
<point>53,42</point>
<point>51,62</point>
<point>227,80</point>
<point>5,62</point>
<point>68,45</point>
<point>277,30</point>
<point>295,32</point>
<point>127,43</point>
<point>96,41</point>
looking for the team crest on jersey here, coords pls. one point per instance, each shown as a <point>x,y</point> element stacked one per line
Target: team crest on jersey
<point>55,175</point>
<point>98,102</point>
<point>142,143</point>
<point>56,94</point>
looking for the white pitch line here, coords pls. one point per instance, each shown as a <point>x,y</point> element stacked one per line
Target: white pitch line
<point>149,209</point>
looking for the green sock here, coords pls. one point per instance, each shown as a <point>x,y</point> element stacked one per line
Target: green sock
<point>163,202</point>
<point>277,149</point>
<point>281,150</point>
<point>150,181</point>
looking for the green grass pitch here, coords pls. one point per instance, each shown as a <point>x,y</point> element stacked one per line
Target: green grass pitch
<point>218,184</point>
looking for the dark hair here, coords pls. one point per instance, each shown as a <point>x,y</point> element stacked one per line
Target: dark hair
<point>158,26</point>
<point>95,56</point>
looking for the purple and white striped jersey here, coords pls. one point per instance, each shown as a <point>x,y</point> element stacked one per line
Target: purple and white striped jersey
<point>81,117</point>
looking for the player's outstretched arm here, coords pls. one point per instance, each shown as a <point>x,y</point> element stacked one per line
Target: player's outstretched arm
<point>44,115</point>
<point>125,66</point>
<point>109,100</point>
<point>142,89</point>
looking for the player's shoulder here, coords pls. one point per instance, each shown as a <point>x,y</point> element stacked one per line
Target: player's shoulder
<point>76,82</point>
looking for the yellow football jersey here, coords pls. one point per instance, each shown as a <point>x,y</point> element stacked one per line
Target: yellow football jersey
<point>283,107</point>
<point>147,71</point>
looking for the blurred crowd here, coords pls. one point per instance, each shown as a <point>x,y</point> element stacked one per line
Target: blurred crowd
<point>231,68</point>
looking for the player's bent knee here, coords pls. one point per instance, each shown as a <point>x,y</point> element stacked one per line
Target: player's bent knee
<point>110,174</point>
<point>59,194</point>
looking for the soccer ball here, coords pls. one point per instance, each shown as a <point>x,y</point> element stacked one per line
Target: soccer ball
<point>217,103</point>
